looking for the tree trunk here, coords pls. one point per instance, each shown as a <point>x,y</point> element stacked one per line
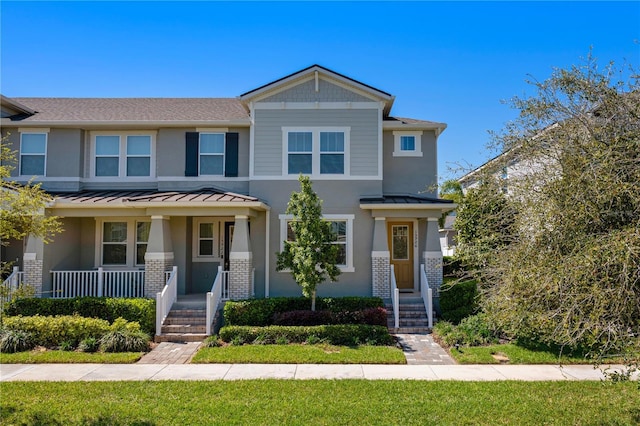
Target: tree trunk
<point>313,300</point>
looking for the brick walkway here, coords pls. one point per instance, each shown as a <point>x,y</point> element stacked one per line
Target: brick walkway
<point>171,353</point>
<point>420,349</point>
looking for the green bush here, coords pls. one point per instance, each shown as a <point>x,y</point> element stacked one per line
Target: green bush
<point>90,344</point>
<point>52,331</point>
<point>260,312</point>
<point>451,266</point>
<point>475,330</point>
<point>123,340</point>
<point>458,300</point>
<point>12,341</point>
<point>345,334</point>
<point>140,310</point>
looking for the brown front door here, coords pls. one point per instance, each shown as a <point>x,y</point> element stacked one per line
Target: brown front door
<point>400,236</point>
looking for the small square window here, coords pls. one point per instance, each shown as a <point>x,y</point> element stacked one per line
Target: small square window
<point>407,143</point>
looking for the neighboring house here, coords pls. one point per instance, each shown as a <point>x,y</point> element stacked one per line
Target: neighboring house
<point>448,236</point>
<point>146,184</point>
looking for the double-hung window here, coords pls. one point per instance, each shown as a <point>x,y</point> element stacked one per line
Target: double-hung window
<point>407,144</point>
<point>123,155</point>
<point>212,153</point>
<point>33,154</point>
<point>124,242</point>
<point>316,151</point>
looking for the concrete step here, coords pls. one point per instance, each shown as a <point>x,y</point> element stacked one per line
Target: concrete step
<point>187,313</point>
<point>183,328</point>
<point>180,337</point>
<point>185,320</point>
<point>410,330</point>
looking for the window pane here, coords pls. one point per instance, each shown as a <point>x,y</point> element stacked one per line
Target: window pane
<point>32,165</point>
<point>332,142</point>
<point>114,232</point>
<point>139,145</point>
<point>107,145</point>
<point>400,243</point>
<point>407,143</point>
<point>300,142</point>
<point>212,143</point>
<point>299,163</point>
<point>206,230</point>
<point>342,254</point>
<point>291,236</point>
<point>211,164</point>
<point>107,166</point>
<point>141,249</point>
<point>138,166</point>
<point>33,143</point>
<point>142,231</point>
<point>114,254</point>
<point>340,229</point>
<point>332,163</point>
<point>206,248</point>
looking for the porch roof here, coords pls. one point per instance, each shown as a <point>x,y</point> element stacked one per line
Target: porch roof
<point>394,204</point>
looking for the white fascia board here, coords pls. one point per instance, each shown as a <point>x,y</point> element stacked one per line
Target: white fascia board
<point>316,105</point>
<point>434,206</point>
<point>389,125</point>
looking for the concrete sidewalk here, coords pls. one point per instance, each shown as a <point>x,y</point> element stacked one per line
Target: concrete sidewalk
<point>139,372</point>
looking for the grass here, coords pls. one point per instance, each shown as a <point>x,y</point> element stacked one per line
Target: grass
<point>37,356</point>
<point>262,402</point>
<point>301,354</point>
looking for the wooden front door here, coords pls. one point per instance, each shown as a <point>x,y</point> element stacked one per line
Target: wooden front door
<point>400,236</point>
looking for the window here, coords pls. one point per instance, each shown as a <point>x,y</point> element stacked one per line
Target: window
<point>33,153</point>
<point>316,151</point>
<point>123,242</point>
<point>123,155</point>
<point>342,226</point>
<point>211,153</point>
<point>205,239</point>
<point>407,144</point>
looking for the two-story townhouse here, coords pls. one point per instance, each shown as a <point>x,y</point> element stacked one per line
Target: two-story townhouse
<point>143,185</point>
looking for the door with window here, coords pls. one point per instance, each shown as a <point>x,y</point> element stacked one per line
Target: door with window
<point>400,236</point>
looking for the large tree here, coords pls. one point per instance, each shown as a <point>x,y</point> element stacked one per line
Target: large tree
<point>309,255</point>
<point>571,277</point>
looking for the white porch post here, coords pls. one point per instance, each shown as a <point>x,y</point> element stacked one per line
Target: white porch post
<point>240,260</point>
<point>32,264</point>
<point>380,259</point>
<point>159,256</point>
<point>432,256</point>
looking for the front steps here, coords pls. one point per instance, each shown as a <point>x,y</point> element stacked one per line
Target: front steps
<point>186,322</point>
<point>413,316</point>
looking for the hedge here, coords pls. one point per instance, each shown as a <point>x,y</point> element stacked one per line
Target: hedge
<point>370,316</point>
<point>458,300</point>
<point>51,331</point>
<point>344,334</point>
<point>260,312</point>
<point>140,310</point>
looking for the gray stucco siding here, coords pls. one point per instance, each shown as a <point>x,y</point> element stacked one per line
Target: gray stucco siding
<point>268,137</point>
<point>65,153</point>
<point>306,92</point>
<point>411,175</point>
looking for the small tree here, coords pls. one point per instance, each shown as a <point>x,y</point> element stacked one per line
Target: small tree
<point>450,190</point>
<point>311,257</point>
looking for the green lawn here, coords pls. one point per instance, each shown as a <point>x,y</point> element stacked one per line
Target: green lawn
<point>301,354</point>
<point>321,402</point>
<point>69,357</point>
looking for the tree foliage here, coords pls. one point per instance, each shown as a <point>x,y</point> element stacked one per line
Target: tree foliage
<point>450,190</point>
<point>310,257</point>
<point>571,275</point>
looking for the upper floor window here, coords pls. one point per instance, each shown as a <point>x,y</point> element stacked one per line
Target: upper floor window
<point>316,151</point>
<point>123,155</point>
<point>407,144</point>
<point>211,153</point>
<point>33,154</point>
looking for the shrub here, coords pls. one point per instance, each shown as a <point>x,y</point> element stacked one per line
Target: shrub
<point>51,331</point>
<point>12,341</point>
<point>346,334</point>
<point>451,266</point>
<point>370,316</point>
<point>302,318</point>
<point>90,344</point>
<point>458,300</point>
<point>475,330</point>
<point>67,345</point>
<point>212,342</point>
<point>123,340</point>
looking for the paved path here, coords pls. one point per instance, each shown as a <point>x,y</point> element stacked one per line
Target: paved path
<point>141,372</point>
<point>420,349</point>
<point>171,353</point>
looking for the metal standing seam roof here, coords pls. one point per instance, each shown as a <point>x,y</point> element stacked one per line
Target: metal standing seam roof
<point>199,196</point>
<point>403,199</point>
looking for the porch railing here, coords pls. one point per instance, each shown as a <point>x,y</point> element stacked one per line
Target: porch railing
<point>395,297</point>
<point>165,299</point>
<point>98,283</point>
<point>11,284</point>
<point>427,294</point>
<point>219,291</point>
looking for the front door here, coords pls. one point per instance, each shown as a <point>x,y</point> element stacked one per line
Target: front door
<point>400,236</point>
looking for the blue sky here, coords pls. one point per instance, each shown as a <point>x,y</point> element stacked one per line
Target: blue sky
<point>444,61</point>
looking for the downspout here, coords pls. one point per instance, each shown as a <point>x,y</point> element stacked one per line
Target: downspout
<point>266,253</point>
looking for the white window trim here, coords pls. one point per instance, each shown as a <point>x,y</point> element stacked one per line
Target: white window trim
<point>218,248</point>
<point>224,153</point>
<point>131,241</point>
<point>349,267</point>
<point>397,152</point>
<point>122,155</point>
<point>44,132</point>
<point>315,151</point>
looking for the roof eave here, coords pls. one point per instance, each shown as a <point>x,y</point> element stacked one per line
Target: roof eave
<point>408,206</point>
<point>245,122</point>
<point>392,125</point>
<point>16,105</point>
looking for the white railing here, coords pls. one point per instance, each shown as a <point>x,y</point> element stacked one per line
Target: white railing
<point>165,299</point>
<point>395,297</point>
<point>215,296</point>
<point>98,283</point>
<point>11,284</point>
<point>427,294</point>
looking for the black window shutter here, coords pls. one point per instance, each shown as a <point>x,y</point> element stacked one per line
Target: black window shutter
<point>191,154</point>
<point>231,155</point>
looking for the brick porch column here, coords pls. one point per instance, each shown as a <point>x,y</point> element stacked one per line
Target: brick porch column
<point>32,265</point>
<point>432,256</point>
<point>240,260</point>
<point>159,256</point>
<point>380,265</point>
